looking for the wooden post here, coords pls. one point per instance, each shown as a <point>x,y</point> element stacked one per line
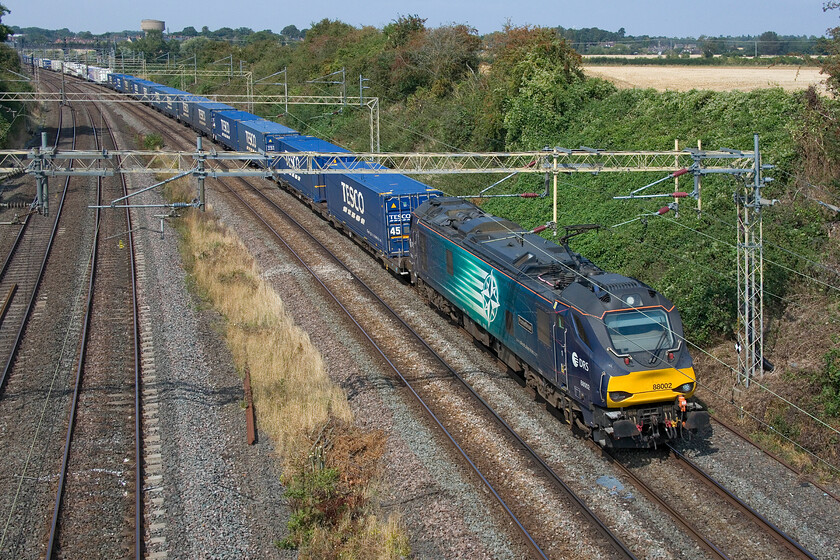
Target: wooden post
<point>250,417</point>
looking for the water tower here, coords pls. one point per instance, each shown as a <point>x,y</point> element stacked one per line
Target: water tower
<point>152,25</point>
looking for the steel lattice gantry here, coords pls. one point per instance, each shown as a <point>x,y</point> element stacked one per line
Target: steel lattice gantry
<point>47,162</point>
<point>557,160</point>
<point>245,101</point>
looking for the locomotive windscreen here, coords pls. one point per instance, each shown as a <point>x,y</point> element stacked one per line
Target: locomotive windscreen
<point>639,331</point>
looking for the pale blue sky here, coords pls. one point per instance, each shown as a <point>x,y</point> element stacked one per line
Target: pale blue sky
<point>680,18</point>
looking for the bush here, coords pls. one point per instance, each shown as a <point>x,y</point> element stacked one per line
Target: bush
<point>153,141</point>
<point>830,394</point>
<point>311,495</point>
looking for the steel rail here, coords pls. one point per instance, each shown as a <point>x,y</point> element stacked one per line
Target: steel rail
<point>32,297</point>
<point>783,538</point>
<point>138,445</point>
<point>138,409</point>
<point>7,302</point>
<point>695,533</point>
<point>15,246</point>
<point>53,534</point>
<point>778,459</point>
<point>138,433</point>
<point>23,227</point>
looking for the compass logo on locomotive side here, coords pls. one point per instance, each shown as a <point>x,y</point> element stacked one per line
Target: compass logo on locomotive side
<point>490,297</point>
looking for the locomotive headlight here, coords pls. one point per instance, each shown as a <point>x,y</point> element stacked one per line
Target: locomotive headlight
<point>618,396</point>
<point>685,388</point>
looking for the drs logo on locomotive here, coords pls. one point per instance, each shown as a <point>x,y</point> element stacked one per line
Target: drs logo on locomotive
<point>579,362</point>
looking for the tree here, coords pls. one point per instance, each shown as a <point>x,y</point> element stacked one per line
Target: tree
<point>194,46</point>
<point>264,35</point>
<point>533,70</point>
<point>712,46</point>
<point>769,43</point>
<point>153,45</point>
<point>447,54</point>
<point>831,64</point>
<point>189,32</point>
<point>5,30</point>
<point>291,32</point>
<point>403,29</point>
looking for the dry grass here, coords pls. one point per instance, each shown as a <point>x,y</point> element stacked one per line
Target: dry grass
<point>305,414</point>
<point>292,393</point>
<point>715,78</point>
<point>374,539</point>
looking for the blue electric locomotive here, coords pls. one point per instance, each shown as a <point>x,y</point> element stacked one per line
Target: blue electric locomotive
<point>606,350</point>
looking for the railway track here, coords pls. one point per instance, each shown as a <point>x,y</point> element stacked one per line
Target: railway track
<point>96,479</point>
<point>35,403</point>
<point>796,472</point>
<point>23,269</point>
<point>718,521</point>
<point>403,361</point>
<point>409,356</point>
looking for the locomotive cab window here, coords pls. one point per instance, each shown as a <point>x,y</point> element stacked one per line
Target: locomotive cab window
<point>450,267</point>
<point>580,330</point>
<point>639,331</point>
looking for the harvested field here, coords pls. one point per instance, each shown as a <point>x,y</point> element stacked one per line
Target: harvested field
<point>715,78</point>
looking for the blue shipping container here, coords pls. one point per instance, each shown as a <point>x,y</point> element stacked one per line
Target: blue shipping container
<point>118,82</point>
<point>201,114</point>
<point>261,135</point>
<point>225,127</point>
<point>167,99</point>
<point>378,207</point>
<point>148,89</point>
<point>130,87</point>
<point>140,87</point>
<point>184,106</point>
<point>310,185</point>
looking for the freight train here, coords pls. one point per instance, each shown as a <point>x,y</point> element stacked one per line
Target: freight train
<point>605,350</point>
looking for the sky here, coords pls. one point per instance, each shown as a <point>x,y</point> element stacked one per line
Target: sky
<point>672,18</point>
